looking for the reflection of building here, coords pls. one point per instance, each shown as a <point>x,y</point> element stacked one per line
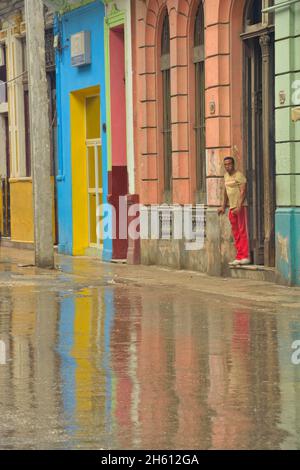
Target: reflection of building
<point>89,383</point>
<point>30,401</point>
<point>15,153</point>
<point>85,367</point>
<point>192,376</point>
<point>244,382</point>
<point>288,332</point>
<point>158,404</point>
<point>121,334</point>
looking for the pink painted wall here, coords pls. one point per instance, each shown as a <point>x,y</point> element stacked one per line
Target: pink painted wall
<point>118,97</point>
<point>224,89</point>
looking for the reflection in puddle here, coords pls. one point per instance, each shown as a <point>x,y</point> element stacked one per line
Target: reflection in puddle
<point>118,367</point>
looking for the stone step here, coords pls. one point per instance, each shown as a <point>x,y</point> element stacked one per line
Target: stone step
<point>8,243</point>
<point>253,272</point>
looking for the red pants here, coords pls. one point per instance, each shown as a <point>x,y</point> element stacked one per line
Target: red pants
<point>240,232</point>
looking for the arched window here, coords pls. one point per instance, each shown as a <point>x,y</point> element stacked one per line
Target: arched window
<point>199,61</point>
<point>166,93</point>
<point>253,12</point>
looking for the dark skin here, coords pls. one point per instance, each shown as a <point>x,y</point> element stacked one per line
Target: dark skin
<point>230,168</point>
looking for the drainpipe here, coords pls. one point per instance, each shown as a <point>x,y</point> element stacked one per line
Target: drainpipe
<point>60,160</point>
<point>280,5</point>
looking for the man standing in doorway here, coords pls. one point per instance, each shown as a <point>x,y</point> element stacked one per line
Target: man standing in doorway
<point>235,194</point>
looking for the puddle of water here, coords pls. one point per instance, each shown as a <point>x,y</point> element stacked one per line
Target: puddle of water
<point>122,367</point>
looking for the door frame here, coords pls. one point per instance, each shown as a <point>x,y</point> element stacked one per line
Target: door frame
<point>265,36</point>
<point>97,191</point>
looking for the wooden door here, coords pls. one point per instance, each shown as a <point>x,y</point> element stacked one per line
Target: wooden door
<point>259,145</point>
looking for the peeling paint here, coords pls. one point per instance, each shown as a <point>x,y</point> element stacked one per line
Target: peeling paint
<point>283,244</point>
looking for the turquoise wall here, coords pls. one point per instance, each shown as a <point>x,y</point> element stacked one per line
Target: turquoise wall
<point>287,70</point>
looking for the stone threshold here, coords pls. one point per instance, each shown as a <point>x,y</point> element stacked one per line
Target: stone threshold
<point>8,243</point>
<point>253,267</point>
<point>253,272</point>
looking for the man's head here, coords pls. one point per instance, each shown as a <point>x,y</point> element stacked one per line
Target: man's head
<point>229,165</point>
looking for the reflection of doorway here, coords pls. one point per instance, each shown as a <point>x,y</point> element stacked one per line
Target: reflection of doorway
<point>260,134</point>
<point>94,168</point>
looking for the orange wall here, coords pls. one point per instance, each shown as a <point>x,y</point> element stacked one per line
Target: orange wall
<point>223,66</point>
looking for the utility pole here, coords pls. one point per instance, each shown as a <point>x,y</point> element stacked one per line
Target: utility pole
<point>40,134</point>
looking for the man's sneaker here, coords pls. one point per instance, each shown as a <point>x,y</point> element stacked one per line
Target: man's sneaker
<point>245,261</point>
<point>236,262</point>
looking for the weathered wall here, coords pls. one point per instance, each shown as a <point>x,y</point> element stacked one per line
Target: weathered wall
<point>21,210</point>
<point>21,207</point>
<point>223,87</point>
<point>287,145</point>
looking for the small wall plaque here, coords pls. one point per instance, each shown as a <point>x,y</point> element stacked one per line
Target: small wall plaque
<point>212,107</point>
<point>282,97</point>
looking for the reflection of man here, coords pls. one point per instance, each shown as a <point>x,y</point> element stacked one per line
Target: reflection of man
<point>235,194</point>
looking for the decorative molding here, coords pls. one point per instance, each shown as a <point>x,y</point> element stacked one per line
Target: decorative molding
<point>264,42</point>
<point>115,17</point>
<point>62,6</point>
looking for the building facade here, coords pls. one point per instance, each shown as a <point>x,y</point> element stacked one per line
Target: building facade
<point>17,218</point>
<point>205,89</point>
<point>82,179</point>
<point>287,22</point>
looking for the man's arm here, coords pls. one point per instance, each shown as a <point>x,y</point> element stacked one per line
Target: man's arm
<point>242,197</point>
<point>222,209</point>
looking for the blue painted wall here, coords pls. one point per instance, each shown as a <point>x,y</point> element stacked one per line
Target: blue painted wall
<point>70,79</point>
<point>288,245</point>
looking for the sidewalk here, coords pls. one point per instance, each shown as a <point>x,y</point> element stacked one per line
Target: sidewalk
<point>16,268</point>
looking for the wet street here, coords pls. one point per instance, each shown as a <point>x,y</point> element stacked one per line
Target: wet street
<point>92,359</point>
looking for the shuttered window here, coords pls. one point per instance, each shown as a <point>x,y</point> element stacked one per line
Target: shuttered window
<point>200,105</point>
<point>166,88</point>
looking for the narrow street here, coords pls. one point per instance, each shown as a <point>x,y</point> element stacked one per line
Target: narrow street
<point>104,356</point>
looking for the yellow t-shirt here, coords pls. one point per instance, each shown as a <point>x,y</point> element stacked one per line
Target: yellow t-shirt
<point>233,185</point>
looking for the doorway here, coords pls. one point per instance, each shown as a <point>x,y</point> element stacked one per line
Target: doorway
<point>259,132</point>
<point>87,179</point>
<point>118,187</point>
<point>94,169</point>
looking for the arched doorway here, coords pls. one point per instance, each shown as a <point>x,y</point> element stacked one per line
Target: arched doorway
<point>259,129</point>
